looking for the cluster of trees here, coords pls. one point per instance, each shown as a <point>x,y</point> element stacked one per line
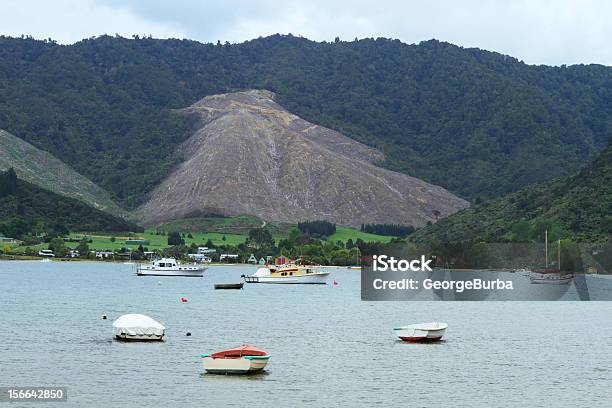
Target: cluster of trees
<point>394,230</point>
<point>261,243</point>
<point>318,228</point>
<point>175,238</point>
<point>525,231</point>
<point>103,105</point>
<point>8,182</point>
<point>317,250</point>
<point>27,210</point>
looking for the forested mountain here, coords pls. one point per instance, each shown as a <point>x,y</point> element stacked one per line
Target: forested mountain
<point>477,123</point>
<point>578,207</point>
<point>28,209</point>
<point>48,172</point>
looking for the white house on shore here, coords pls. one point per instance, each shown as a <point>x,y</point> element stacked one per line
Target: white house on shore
<point>200,258</point>
<point>104,254</point>
<point>229,257</point>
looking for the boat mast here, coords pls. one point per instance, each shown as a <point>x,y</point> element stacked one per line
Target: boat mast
<point>559,255</point>
<point>546,247</point>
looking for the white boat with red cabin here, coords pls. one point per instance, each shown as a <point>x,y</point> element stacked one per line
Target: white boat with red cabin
<point>423,332</point>
<point>288,274</point>
<point>245,359</point>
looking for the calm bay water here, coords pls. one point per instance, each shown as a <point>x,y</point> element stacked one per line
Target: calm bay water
<point>328,347</point>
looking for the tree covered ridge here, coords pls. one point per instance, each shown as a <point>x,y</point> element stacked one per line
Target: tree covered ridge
<point>577,207</point>
<point>478,123</point>
<point>319,228</point>
<point>29,210</point>
<point>394,230</point>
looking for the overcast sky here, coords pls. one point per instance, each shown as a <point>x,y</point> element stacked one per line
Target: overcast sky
<point>550,32</point>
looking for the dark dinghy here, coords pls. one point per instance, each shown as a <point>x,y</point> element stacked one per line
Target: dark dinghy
<point>228,285</point>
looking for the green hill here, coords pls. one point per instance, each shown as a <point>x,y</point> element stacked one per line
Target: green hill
<point>46,171</point>
<point>26,208</point>
<point>478,123</point>
<point>578,207</point>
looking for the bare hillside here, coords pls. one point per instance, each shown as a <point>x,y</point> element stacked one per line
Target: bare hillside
<point>251,156</point>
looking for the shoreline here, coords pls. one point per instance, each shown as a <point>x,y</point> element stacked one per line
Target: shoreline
<point>17,258</point>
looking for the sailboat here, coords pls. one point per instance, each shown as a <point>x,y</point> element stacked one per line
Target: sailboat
<point>130,261</point>
<point>551,276</point>
<point>357,265</point>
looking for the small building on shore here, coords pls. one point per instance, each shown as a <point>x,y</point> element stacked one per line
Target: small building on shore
<point>200,258</point>
<point>104,254</point>
<point>281,260</point>
<point>228,257</point>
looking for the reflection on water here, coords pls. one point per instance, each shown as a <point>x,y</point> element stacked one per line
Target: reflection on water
<point>328,347</point>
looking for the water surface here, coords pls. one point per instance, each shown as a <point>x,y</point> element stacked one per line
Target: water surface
<point>328,347</point>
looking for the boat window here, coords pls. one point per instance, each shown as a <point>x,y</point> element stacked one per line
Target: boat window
<point>290,273</point>
<point>162,265</point>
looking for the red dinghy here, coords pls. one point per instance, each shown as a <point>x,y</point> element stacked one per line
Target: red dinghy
<point>244,350</point>
<point>240,360</point>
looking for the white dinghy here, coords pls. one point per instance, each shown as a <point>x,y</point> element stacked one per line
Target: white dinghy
<point>138,327</point>
<point>245,359</point>
<point>423,332</point>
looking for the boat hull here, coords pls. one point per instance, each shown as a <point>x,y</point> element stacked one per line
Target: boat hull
<point>139,337</point>
<point>198,273</point>
<point>313,279</point>
<point>421,333</point>
<point>421,336</point>
<point>550,278</point>
<point>551,281</point>
<point>241,365</point>
<point>228,285</point>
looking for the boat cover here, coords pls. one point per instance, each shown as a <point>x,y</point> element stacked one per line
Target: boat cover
<point>433,326</point>
<point>262,272</point>
<point>244,350</point>
<point>137,324</point>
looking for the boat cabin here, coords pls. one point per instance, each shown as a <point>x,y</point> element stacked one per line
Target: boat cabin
<point>165,263</point>
<point>291,270</point>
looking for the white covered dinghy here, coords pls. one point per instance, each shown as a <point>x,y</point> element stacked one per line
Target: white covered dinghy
<point>138,327</point>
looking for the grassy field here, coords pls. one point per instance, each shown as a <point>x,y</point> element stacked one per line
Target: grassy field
<point>344,233</point>
<point>102,241</point>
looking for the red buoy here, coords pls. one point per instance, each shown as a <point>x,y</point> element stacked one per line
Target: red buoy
<point>184,299</point>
